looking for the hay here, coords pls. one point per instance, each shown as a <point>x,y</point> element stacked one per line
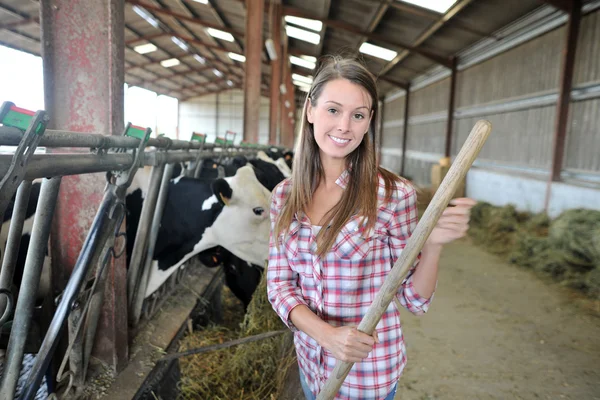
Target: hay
<point>250,371</point>
<point>566,249</point>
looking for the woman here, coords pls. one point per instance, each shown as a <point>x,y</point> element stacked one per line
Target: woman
<point>337,227</point>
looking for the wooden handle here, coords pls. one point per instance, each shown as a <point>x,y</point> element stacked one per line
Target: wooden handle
<point>389,289</point>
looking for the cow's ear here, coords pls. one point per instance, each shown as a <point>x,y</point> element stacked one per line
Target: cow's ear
<point>222,190</point>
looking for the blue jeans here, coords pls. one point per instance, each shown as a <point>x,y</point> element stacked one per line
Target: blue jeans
<point>309,396</point>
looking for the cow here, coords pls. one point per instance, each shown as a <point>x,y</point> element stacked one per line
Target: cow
<point>231,212</point>
<point>280,163</point>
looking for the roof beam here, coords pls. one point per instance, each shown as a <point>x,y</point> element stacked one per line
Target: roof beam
<point>326,9</point>
<point>381,10</point>
<point>445,61</point>
<point>209,92</point>
<point>184,17</point>
<point>21,22</point>
<point>436,26</point>
<point>564,5</point>
<point>400,84</point>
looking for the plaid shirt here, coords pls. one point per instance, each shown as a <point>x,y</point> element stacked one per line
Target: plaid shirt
<point>340,287</point>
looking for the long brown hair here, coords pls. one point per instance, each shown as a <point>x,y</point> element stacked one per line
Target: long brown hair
<point>360,195</point>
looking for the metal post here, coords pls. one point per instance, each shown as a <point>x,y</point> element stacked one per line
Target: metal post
<point>275,103</point>
<point>141,238</point>
<point>450,120</point>
<point>564,97</point>
<point>29,285</point>
<point>405,129</point>
<point>156,220</point>
<point>11,252</point>
<point>102,227</point>
<point>252,81</point>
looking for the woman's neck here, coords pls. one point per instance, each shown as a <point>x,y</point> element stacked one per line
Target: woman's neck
<point>333,168</point>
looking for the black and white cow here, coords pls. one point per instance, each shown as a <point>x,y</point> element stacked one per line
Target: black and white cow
<point>231,212</point>
<point>280,163</point>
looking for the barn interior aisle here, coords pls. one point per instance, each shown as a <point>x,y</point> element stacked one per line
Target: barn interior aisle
<point>497,331</point>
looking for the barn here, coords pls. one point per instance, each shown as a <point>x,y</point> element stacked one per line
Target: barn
<point>144,145</point>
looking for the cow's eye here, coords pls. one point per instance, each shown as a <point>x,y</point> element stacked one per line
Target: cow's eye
<point>258,210</point>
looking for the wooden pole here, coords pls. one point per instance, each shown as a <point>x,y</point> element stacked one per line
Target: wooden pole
<point>252,81</point>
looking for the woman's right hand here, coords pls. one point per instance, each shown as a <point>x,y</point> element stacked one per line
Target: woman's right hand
<point>348,344</point>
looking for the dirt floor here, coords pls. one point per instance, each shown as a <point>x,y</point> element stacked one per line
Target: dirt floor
<point>496,331</point>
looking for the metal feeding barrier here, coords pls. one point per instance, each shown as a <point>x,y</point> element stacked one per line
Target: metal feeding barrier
<point>81,300</point>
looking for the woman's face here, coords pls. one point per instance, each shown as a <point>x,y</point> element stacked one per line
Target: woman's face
<point>340,118</point>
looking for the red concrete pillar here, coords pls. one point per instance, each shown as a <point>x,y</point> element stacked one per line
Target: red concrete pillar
<point>252,81</point>
<point>83,52</point>
<point>275,76</point>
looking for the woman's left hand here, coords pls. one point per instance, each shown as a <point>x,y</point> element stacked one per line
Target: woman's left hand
<point>454,222</point>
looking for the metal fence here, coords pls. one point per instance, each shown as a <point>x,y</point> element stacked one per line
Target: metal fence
<point>82,298</point>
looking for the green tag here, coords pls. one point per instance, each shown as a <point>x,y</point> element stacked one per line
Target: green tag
<point>20,118</point>
<point>229,142</point>
<point>198,137</point>
<point>220,141</point>
<point>136,132</point>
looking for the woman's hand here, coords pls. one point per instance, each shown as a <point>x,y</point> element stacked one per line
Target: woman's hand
<point>454,222</point>
<point>348,344</point>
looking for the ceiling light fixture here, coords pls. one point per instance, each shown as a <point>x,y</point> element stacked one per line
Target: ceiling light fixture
<point>311,24</point>
<point>220,34</point>
<point>146,16</point>
<point>302,62</point>
<point>307,80</point>
<point>145,48</point>
<point>200,59</point>
<point>301,34</point>
<point>377,51</point>
<point>440,6</point>
<point>237,57</point>
<point>171,62</point>
<point>217,73</point>
<point>182,45</point>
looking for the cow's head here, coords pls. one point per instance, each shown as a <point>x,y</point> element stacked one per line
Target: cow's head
<point>243,225</point>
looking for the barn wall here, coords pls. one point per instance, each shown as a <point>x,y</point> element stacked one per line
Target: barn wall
<point>200,115</point>
<point>516,91</point>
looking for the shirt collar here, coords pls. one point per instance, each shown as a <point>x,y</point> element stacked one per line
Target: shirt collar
<point>342,181</point>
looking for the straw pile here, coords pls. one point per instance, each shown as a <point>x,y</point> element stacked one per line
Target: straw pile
<point>249,371</point>
<point>566,249</point>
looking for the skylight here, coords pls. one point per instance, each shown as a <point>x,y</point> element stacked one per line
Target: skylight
<point>201,1</point>
<point>309,58</point>
<point>217,73</point>
<point>145,48</point>
<point>307,80</point>
<point>171,62</point>
<point>302,85</point>
<point>302,62</point>
<point>305,89</point>
<point>146,16</point>
<point>229,82</point>
<point>440,6</point>
<point>200,59</point>
<point>301,34</point>
<point>376,51</point>
<point>237,57</point>
<point>220,34</point>
<point>311,24</point>
<point>179,43</point>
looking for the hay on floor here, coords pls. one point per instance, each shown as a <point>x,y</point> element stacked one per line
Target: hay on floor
<point>566,249</point>
<point>250,371</point>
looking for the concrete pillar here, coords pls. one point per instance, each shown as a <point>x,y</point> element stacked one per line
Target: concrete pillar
<point>252,81</point>
<point>83,53</point>
<point>276,65</point>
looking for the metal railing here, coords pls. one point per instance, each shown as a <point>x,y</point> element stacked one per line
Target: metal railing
<point>81,300</point>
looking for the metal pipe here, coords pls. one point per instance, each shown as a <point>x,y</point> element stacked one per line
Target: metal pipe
<point>11,252</point>
<point>141,237</point>
<point>156,220</point>
<point>54,138</point>
<point>29,286</point>
<point>101,228</point>
<point>43,165</point>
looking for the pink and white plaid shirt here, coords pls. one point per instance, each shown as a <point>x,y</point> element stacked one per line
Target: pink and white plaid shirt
<point>341,286</point>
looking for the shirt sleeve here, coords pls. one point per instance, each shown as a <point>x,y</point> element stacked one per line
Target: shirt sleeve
<point>282,282</point>
<point>402,224</point>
